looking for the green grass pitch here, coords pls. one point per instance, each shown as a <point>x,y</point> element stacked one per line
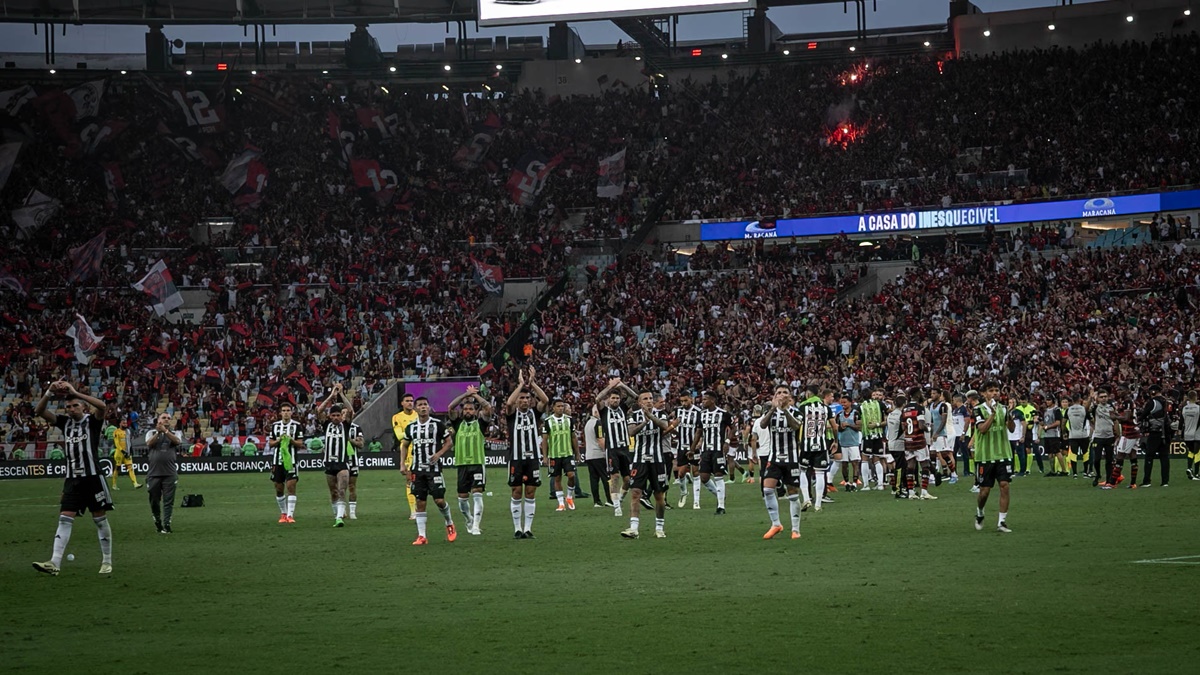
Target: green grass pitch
<point>874,585</point>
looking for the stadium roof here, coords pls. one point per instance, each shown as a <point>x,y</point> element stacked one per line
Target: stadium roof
<point>142,12</point>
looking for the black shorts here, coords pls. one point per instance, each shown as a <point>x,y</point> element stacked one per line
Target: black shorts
<point>1078,446</point>
<point>426,485</point>
<point>471,477</point>
<point>524,472</point>
<point>872,446</point>
<point>352,465</point>
<point>334,468</point>
<point>282,475</point>
<point>619,462</point>
<point>786,474</point>
<point>814,460</point>
<point>649,477</point>
<point>88,493</point>
<point>561,466</point>
<point>1052,446</point>
<point>683,459</point>
<point>712,462</point>
<point>995,472</point>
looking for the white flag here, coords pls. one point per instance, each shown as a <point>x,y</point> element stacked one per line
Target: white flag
<point>612,176</point>
<point>39,208</point>
<point>86,342</point>
<point>8,157</point>
<point>159,285</point>
<point>13,100</point>
<point>87,98</point>
<point>234,176</point>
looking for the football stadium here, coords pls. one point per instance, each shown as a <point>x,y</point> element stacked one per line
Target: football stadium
<point>650,336</point>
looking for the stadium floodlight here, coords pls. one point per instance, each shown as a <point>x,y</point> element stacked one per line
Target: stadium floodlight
<point>987,33</point>
<point>578,60</point>
<point>1050,27</point>
<point>52,71</point>
<point>927,43</point>
<point>724,56</point>
<point>499,66</point>
<point>254,72</point>
<point>787,52</point>
<point>385,89</point>
<point>637,58</point>
<point>324,72</point>
<point>392,69</point>
<point>853,48</point>
<point>122,72</point>
<point>446,67</point>
<point>1187,12</point>
<point>1129,18</point>
<point>187,72</point>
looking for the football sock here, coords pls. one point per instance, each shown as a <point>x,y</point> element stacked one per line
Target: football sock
<point>819,490</point>
<point>1115,473</point>
<point>340,509</point>
<point>878,472</point>
<point>464,505</point>
<point>353,509</point>
<point>530,505</point>
<point>422,521</point>
<point>832,472</point>
<point>711,485</point>
<point>478,499</point>
<point>720,492</point>
<point>291,505</point>
<point>1133,470</point>
<point>909,482</point>
<point>979,511</point>
<point>282,502</point>
<point>444,509</point>
<point>683,483</point>
<point>659,523</point>
<point>114,478</point>
<point>864,471</point>
<point>412,501</point>
<point>618,495</point>
<point>634,523</point>
<point>924,482</point>
<point>515,507</point>
<point>333,505</point>
<point>1003,517</point>
<point>132,475</point>
<point>794,508</point>
<point>61,537</point>
<point>696,489</point>
<point>804,488</point>
<point>772,502</point>
<point>104,532</point>
<point>562,499</point>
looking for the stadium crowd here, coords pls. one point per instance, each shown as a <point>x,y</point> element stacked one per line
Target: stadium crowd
<point>323,277</point>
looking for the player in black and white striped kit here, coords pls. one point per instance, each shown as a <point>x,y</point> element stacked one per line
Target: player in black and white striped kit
<point>782,420</point>
<point>426,441</point>
<point>615,427</point>
<point>649,465</point>
<point>342,440</point>
<point>712,443</point>
<point>524,451</point>
<point>84,487</point>
<point>687,464</point>
<point>282,442</point>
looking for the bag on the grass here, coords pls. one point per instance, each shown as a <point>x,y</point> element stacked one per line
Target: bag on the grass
<point>193,500</point>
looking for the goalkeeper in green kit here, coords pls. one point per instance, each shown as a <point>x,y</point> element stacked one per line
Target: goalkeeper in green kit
<point>282,442</point>
<point>991,450</point>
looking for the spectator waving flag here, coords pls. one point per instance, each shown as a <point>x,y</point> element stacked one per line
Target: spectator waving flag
<point>85,260</point>
<point>13,100</point>
<point>489,277</point>
<point>86,342</point>
<point>8,157</point>
<point>14,283</point>
<point>159,285</point>
<point>471,153</point>
<point>529,176</point>
<point>246,176</point>
<point>38,209</point>
<point>372,179</point>
<point>611,183</point>
<point>86,98</point>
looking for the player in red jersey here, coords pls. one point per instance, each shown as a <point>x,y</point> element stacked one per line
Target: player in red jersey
<point>1127,444</point>
<point>916,452</point>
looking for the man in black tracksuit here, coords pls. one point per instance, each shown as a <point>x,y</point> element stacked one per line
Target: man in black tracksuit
<point>1156,429</point>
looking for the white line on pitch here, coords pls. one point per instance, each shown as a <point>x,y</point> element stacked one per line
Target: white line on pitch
<point>1179,560</point>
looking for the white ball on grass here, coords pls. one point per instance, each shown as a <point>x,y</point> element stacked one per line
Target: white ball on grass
<point>70,557</point>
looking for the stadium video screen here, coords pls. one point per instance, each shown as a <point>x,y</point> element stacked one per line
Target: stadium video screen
<point>441,393</point>
<point>508,12</point>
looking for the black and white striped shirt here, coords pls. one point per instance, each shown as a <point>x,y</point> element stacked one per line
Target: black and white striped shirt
<point>616,428</point>
<point>524,437</point>
<point>814,435</point>
<point>714,425</point>
<point>689,421</point>
<point>647,443</point>
<point>81,439</point>
<point>785,441</point>
<point>278,430</point>
<point>426,438</point>
<point>337,442</point>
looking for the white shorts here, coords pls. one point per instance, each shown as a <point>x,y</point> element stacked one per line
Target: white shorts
<point>942,444</point>
<point>1127,446</point>
<point>850,453</point>
<point>921,455</point>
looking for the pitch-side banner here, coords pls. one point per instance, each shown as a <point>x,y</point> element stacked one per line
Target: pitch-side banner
<point>508,12</point>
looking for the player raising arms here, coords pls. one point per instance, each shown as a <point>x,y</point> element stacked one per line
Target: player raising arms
<point>649,470</point>
<point>782,467</point>
<point>712,443</point>
<point>615,432</point>
<point>283,439</point>
<point>992,450</point>
<point>341,440</point>
<point>84,487</point>
<point>468,412</point>
<point>428,439</point>
<point>525,446</point>
<point>559,445</point>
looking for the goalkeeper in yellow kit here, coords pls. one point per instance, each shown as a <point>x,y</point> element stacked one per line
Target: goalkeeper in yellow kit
<point>400,422</point>
<point>121,455</point>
